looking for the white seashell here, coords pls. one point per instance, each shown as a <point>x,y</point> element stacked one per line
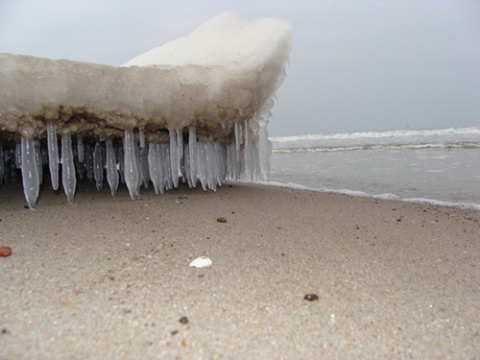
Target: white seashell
<point>201,262</point>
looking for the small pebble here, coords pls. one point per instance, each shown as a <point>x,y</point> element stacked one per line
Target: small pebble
<point>221,220</point>
<point>311,297</point>
<point>5,251</point>
<point>183,320</point>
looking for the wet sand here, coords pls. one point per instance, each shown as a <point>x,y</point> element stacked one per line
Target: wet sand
<point>109,278</point>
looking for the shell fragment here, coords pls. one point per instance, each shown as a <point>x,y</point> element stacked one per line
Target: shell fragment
<point>201,262</point>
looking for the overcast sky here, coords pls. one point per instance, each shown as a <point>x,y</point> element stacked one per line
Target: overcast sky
<point>355,65</point>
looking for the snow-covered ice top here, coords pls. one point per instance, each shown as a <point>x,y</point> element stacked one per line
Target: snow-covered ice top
<point>224,72</point>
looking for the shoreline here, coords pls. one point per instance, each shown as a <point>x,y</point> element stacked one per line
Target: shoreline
<point>386,196</point>
<point>108,277</point>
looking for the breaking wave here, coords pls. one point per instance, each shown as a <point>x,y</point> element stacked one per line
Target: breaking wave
<point>394,140</point>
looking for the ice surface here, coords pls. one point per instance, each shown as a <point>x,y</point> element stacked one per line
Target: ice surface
<point>184,104</point>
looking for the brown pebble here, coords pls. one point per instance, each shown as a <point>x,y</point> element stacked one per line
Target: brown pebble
<point>311,297</point>
<point>183,320</point>
<point>5,251</point>
<point>221,220</point>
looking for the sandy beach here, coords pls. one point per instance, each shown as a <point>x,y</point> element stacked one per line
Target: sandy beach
<point>109,278</point>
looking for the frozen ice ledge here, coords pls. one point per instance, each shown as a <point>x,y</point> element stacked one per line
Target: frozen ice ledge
<point>194,110</point>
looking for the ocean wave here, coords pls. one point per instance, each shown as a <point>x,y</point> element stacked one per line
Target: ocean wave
<point>383,147</point>
<point>466,131</point>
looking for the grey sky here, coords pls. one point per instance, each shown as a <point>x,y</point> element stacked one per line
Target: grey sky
<point>355,65</point>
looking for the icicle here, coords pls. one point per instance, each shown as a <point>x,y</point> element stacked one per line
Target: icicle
<point>121,162</point>
<point>139,165</point>
<point>141,135</point>
<point>179,150</point>
<point>131,164</point>
<point>44,154</point>
<point>18,155</point>
<point>29,171</point>
<point>211,170</point>
<point>202,164</point>
<point>52,144</point>
<point>80,148</point>
<point>155,161</point>
<point>186,165</point>
<point>112,171</point>
<point>89,163</point>
<point>174,157</point>
<point>239,150</point>
<point>79,166</point>
<point>238,135</point>
<point>144,165</point>
<point>219,151</point>
<point>192,154</point>
<point>264,150</point>
<point>38,159</point>
<point>165,150</point>
<point>231,161</point>
<point>248,153</point>
<point>98,164</point>
<point>68,168</point>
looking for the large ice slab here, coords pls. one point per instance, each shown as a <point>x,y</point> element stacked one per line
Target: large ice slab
<point>217,83</point>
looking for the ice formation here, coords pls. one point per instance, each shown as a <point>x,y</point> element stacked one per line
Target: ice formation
<point>194,110</point>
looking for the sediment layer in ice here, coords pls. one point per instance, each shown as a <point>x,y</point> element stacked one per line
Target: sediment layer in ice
<point>207,95</point>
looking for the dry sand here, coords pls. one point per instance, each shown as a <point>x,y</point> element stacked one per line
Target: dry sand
<point>108,278</point>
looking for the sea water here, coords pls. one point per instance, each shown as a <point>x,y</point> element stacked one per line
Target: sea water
<point>439,165</point>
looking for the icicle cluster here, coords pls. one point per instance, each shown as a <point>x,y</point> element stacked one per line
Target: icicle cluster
<point>133,160</point>
<point>194,110</point>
